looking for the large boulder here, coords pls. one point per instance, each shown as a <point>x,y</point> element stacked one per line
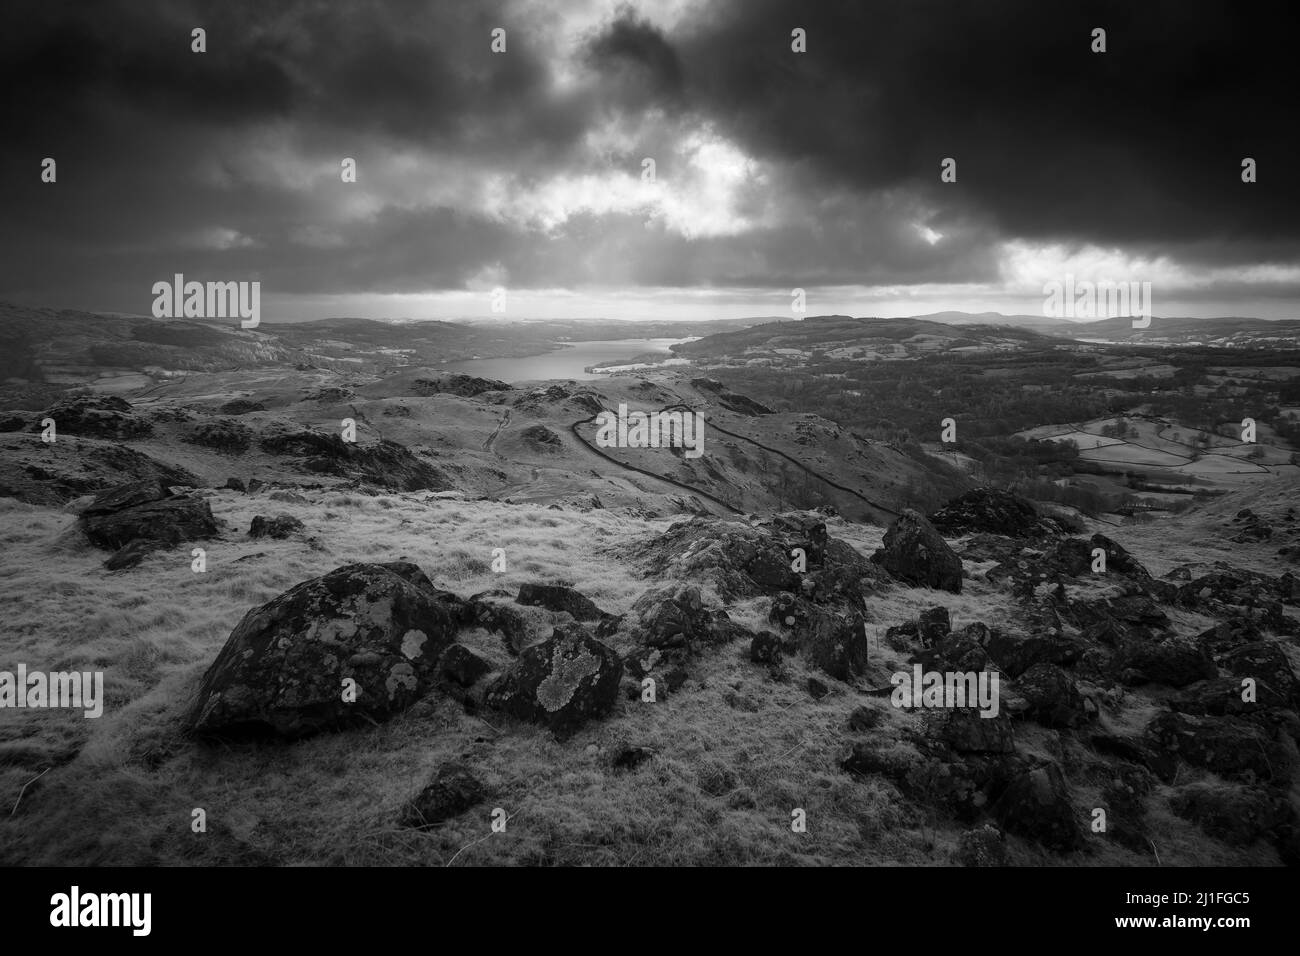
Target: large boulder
<point>914,552</point>
<point>283,669</point>
<point>560,683</point>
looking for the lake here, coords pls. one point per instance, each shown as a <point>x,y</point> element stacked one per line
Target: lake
<point>567,362</point>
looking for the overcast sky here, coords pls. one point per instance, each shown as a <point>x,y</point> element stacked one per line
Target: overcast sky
<point>774,169</point>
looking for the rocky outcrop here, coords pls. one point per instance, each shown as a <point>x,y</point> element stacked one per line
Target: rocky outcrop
<point>739,560</point>
<point>143,516</point>
<point>990,510</point>
<point>226,436</point>
<point>383,464</point>
<point>96,416</point>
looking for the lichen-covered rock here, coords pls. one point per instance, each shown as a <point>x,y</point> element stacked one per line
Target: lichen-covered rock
<point>1037,805</point>
<point>915,552</point>
<point>453,790</point>
<point>671,616</point>
<point>283,669</point>
<point>561,683</point>
<point>738,560</point>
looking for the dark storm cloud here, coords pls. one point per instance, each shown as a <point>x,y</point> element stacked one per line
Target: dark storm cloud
<point>1139,147</point>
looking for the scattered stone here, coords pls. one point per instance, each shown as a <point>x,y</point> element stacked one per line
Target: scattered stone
<point>453,790</point>
<point>281,526</point>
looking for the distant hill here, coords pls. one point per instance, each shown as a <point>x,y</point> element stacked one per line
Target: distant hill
<point>842,336</point>
<point>1228,332</point>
